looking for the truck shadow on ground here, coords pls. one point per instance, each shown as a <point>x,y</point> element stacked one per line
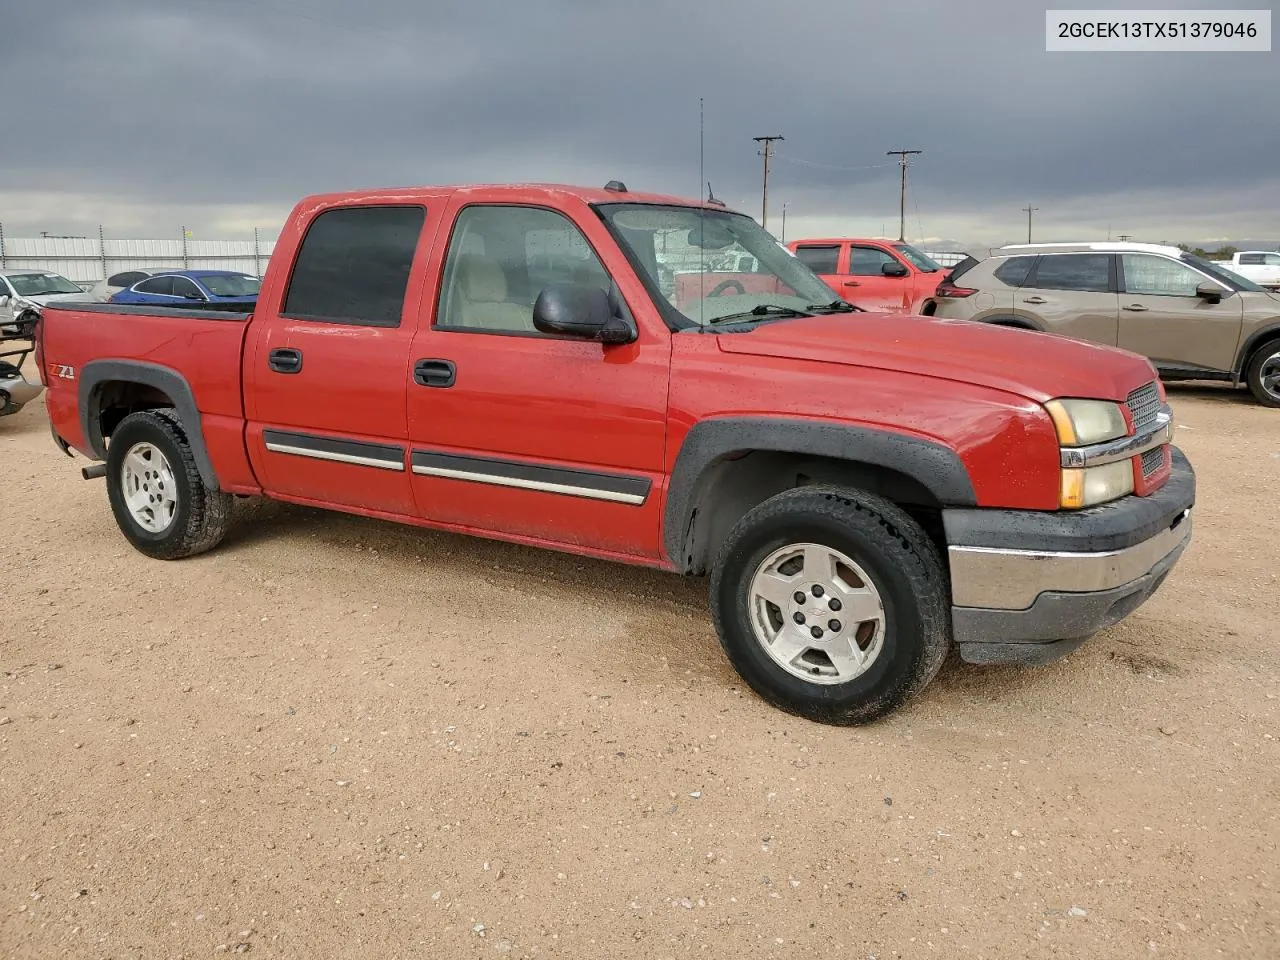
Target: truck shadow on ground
<point>666,614</point>
<point>1215,392</point>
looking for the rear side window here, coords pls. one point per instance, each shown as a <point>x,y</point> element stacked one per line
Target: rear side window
<point>160,285</point>
<point>1252,258</point>
<point>1013,272</point>
<point>1074,271</point>
<point>819,259</point>
<point>353,266</point>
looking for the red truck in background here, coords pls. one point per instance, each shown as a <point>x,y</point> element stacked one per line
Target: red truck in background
<point>864,490</point>
<point>884,275</point>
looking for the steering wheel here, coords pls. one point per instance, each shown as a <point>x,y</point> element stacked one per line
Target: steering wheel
<point>724,285</point>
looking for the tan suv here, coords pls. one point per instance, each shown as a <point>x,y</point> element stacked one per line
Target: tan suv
<point>1193,319</point>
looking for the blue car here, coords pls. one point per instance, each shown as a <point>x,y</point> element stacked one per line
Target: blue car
<point>194,289</point>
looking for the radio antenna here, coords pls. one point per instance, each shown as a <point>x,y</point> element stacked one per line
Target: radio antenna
<point>702,247</point>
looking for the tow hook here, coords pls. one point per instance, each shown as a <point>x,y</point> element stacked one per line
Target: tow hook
<point>94,471</point>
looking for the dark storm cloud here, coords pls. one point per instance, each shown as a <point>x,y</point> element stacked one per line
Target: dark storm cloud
<point>258,101</point>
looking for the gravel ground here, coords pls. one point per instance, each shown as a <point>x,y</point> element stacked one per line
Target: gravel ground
<point>341,738</point>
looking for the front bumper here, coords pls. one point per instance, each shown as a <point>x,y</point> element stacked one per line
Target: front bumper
<point>15,392</point>
<point>1029,587</point>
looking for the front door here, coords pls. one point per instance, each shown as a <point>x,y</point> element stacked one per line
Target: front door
<point>824,260</point>
<point>1073,294</point>
<point>523,434</point>
<point>1162,318</point>
<point>865,284</point>
<point>328,371</point>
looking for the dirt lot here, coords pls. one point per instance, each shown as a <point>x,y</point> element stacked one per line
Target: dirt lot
<point>342,738</point>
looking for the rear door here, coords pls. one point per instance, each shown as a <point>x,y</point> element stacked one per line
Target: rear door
<point>1073,294</point>
<point>824,260</point>
<point>864,281</point>
<point>327,374</point>
<point>1162,318</point>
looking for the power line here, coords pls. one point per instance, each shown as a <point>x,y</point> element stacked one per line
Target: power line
<point>767,152</point>
<point>902,196</point>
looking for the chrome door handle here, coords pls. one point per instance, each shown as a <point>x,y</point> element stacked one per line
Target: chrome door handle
<point>1135,307</point>
<point>1034,300</point>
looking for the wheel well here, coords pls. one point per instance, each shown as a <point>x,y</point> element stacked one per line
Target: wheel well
<point>113,400</point>
<point>1264,343</point>
<point>1015,324</point>
<point>741,481</point>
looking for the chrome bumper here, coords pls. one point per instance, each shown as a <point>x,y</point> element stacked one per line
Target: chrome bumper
<point>997,579</point>
<point>19,391</point>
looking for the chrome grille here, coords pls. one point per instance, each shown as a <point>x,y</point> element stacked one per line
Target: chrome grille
<point>1152,461</point>
<point>1144,405</point>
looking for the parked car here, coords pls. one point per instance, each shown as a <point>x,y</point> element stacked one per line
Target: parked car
<point>104,290</point>
<point>16,391</point>
<point>1194,320</point>
<point>864,489</point>
<point>1260,266</point>
<point>218,289</point>
<point>23,293</point>
<point>874,274</point>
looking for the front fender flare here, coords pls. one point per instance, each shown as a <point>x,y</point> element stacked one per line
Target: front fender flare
<point>936,467</point>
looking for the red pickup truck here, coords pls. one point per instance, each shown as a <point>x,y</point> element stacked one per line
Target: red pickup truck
<point>874,274</point>
<point>864,490</point>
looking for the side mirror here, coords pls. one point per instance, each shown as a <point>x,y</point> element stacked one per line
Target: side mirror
<point>577,310</point>
<point>893,269</point>
<point>1211,291</point>
<point>4,299</point>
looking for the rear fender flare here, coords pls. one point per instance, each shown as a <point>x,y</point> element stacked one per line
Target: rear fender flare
<point>169,381</point>
<point>936,467</point>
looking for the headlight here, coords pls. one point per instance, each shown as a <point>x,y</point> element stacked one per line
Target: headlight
<point>1083,422</point>
<point>1093,485</point>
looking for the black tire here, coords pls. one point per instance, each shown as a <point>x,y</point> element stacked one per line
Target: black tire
<point>201,516</point>
<point>904,567</point>
<point>1267,355</point>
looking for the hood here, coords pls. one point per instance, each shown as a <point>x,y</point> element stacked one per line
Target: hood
<point>1037,366</point>
<point>46,298</point>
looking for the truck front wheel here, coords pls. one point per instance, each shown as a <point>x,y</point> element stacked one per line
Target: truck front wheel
<point>159,501</point>
<point>831,604</point>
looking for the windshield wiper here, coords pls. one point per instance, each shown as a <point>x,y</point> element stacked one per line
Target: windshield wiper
<point>764,310</point>
<point>835,306</point>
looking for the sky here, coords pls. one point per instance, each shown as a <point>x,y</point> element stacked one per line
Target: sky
<point>218,115</point>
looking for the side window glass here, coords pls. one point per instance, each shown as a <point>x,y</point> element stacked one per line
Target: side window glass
<point>868,261</point>
<point>1013,272</point>
<point>1157,276</point>
<point>1073,271</point>
<point>821,260</point>
<point>1273,259</point>
<point>160,285</point>
<point>1251,258</point>
<point>502,257</point>
<point>353,266</point>
<point>184,287</point>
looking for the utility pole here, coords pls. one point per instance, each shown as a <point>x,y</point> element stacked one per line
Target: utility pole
<point>1125,238</point>
<point>767,152</point>
<point>1030,210</point>
<point>784,223</point>
<point>902,197</point>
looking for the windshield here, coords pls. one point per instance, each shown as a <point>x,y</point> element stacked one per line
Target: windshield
<point>711,265</point>
<point>41,284</point>
<point>922,260</point>
<point>233,285</point>
<point>1219,272</point>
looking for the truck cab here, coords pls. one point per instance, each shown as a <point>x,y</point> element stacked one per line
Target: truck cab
<point>876,274</point>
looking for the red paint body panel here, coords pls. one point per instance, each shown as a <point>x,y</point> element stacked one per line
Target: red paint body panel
<point>886,294</point>
<point>560,405</point>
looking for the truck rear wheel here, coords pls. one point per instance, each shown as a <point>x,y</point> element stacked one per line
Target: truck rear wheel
<point>831,604</point>
<point>159,501</point>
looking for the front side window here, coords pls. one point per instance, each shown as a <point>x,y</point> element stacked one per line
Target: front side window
<point>1074,271</point>
<point>1272,259</point>
<point>161,286</point>
<point>184,287</point>
<point>353,266</point>
<point>868,261</point>
<point>1159,276</point>
<point>723,266</point>
<point>41,284</point>
<point>821,260</point>
<point>502,257</point>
